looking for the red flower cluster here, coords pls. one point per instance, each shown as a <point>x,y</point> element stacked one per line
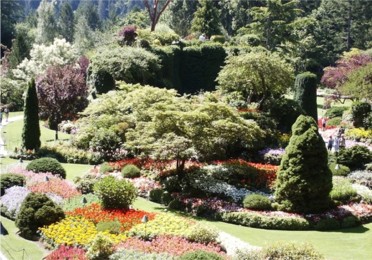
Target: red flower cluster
<point>66,252</point>
<point>127,218</point>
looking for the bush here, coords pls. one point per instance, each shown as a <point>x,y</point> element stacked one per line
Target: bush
<point>166,198</point>
<point>256,220</point>
<point>339,169</point>
<point>350,221</point>
<point>355,157</point>
<point>200,255</point>
<point>335,112</point>
<point>67,252</point>
<point>131,171</point>
<point>359,133</point>
<point>113,227</point>
<point>327,224</point>
<point>37,210</point>
<point>342,192</point>
<point>360,111</point>
<point>86,184</point>
<point>291,251</point>
<point>103,82</point>
<point>156,195</point>
<point>218,38</point>
<point>101,247</point>
<point>9,180</point>
<point>362,178</point>
<point>257,201</point>
<point>176,204</point>
<point>47,165</point>
<point>201,233</point>
<point>336,121</point>
<point>105,168</point>
<point>115,194</point>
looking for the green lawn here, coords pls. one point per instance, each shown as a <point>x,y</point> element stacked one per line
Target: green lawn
<point>352,243</point>
<point>15,247</point>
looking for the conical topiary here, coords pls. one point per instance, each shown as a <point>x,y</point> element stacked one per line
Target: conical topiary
<point>304,180</point>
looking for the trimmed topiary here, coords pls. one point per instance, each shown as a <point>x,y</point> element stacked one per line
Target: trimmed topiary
<point>131,171</point>
<point>305,93</point>
<point>9,180</point>
<point>115,194</point>
<point>37,210</point>
<point>200,255</point>
<point>304,179</point>
<point>257,201</point>
<point>47,165</point>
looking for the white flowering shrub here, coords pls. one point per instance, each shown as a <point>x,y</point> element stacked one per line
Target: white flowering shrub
<point>42,56</point>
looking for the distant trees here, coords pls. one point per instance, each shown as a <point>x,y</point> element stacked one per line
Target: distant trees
<point>66,22</point>
<point>11,12</point>
<point>31,127</point>
<point>206,18</point>
<point>155,8</point>
<point>47,28</point>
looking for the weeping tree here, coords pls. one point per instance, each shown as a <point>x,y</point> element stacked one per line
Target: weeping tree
<point>305,93</point>
<point>304,180</point>
<point>31,127</point>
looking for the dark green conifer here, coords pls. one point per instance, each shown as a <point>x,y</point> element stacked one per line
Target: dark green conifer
<point>31,127</point>
<point>304,180</point>
<point>305,93</point>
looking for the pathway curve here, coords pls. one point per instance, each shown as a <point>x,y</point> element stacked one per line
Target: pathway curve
<point>3,151</point>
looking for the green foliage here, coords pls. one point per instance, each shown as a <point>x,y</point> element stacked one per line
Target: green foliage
<point>115,194</point>
<point>176,204</point>
<point>335,112</point>
<point>31,127</point>
<point>257,220</point>
<point>327,224</point>
<point>103,81</point>
<point>37,210</point>
<point>304,180</point>
<point>112,227</point>
<point>360,111</point>
<point>105,168</point>
<point>336,121</point>
<point>218,38</point>
<point>47,165</point>
<point>293,251</point>
<point>79,201</point>
<point>342,192</point>
<point>100,248</point>
<point>206,18</point>
<point>166,198</point>
<point>354,157</point>
<point>155,195</point>
<point>131,171</point>
<point>132,65</point>
<point>305,93</point>
<point>85,184</point>
<point>8,180</point>
<point>202,233</point>
<point>200,255</point>
<point>359,83</point>
<point>257,202</point>
<point>255,76</point>
<point>163,35</point>
<point>339,169</point>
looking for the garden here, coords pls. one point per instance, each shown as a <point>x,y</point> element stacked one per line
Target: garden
<point>134,136</point>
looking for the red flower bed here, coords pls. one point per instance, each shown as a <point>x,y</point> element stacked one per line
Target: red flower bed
<point>67,252</point>
<point>127,218</point>
<point>172,245</point>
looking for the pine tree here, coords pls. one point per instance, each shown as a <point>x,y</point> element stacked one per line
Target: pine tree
<point>31,127</point>
<point>66,22</point>
<point>305,93</point>
<point>304,180</point>
<point>46,23</point>
<point>206,18</point>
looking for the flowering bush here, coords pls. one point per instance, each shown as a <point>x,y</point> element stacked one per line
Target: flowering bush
<point>213,204</point>
<point>67,126</point>
<point>67,252</point>
<point>359,133</point>
<point>272,156</point>
<point>58,186</point>
<point>144,185</point>
<point>12,200</point>
<point>173,245</point>
<point>95,213</point>
<point>163,224</point>
<point>361,177</point>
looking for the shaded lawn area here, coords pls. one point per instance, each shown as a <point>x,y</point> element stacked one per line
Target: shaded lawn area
<point>351,243</point>
<point>12,245</point>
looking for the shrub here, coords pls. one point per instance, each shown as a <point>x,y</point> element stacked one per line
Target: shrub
<point>335,112</point>
<point>114,193</point>
<point>127,35</point>
<point>336,121</point>
<point>257,201</point>
<point>131,171</point>
<point>86,184</point>
<point>269,222</point>
<point>12,200</point>
<point>342,192</point>
<point>304,180</point>
<point>103,81</point>
<point>100,248</point>
<point>200,255</point>
<point>47,165</point>
<point>202,233</point>
<point>354,157</point>
<point>112,227</point>
<point>305,93</point>
<point>339,169</point>
<point>67,252</point>
<point>37,210</point>
<point>293,251</point>
<point>361,177</point>
<point>9,180</point>
<point>156,195</point>
<point>105,168</point>
<point>360,111</point>
<point>350,221</point>
<point>359,133</point>
<point>218,38</point>
<point>176,204</point>
<point>166,198</point>
<point>327,224</point>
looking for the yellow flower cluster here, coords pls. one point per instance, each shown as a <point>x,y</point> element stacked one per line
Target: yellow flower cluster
<point>74,231</point>
<point>356,133</point>
<point>163,224</point>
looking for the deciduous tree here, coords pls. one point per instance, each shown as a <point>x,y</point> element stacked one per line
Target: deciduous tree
<point>155,8</point>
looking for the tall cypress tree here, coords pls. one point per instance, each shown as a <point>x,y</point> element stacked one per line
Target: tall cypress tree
<point>66,22</point>
<point>305,93</point>
<point>304,180</point>
<point>31,127</point>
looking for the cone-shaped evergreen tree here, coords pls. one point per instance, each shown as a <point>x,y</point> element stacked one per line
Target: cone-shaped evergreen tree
<point>305,93</point>
<point>31,127</point>
<point>304,180</point>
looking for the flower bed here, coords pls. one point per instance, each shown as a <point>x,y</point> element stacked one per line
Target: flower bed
<point>67,252</point>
